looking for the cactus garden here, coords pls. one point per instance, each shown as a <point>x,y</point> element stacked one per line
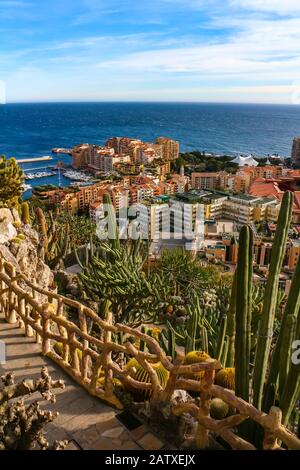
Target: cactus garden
<point>204,357</point>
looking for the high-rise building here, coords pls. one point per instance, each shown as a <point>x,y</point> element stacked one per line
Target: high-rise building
<point>170,148</point>
<point>296,152</point>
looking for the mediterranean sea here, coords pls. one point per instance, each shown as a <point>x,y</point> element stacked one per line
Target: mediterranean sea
<point>32,130</point>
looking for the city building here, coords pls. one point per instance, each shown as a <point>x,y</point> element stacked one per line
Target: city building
<point>296,152</point>
<point>170,148</point>
<point>293,254</point>
<point>273,189</point>
<point>206,180</point>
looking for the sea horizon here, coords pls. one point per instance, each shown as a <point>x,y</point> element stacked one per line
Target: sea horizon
<point>238,103</point>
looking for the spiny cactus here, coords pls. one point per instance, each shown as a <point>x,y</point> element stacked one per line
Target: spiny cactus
<point>244,274</point>
<point>269,307</point>
<point>138,373</point>
<point>286,379</point>
<point>25,213</point>
<point>59,349</point>
<point>218,409</point>
<point>195,357</point>
<point>54,238</point>
<point>226,378</point>
<point>11,181</point>
<point>275,378</point>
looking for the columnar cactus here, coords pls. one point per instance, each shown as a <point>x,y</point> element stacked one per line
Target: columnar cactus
<point>244,276</point>
<point>265,332</point>
<point>54,240</point>
<point>25,213</point>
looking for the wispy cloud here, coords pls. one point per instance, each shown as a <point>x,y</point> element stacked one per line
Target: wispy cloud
<point>273,6</point>
<point>163,48</point>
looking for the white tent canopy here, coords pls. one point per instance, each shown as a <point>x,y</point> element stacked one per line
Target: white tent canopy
<point>243,161</point>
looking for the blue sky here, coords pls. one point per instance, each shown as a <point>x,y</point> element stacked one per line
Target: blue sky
<point>159,50</point>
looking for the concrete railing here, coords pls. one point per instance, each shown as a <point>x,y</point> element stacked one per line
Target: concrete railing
<point>86,357</point>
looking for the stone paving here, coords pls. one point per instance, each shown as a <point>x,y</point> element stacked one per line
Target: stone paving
<point>84,420</point>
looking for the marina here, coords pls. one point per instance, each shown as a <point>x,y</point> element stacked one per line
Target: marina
<point>77,176</point>
<point>41,174</point>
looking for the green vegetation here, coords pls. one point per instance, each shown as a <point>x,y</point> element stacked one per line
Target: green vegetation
<point>25,213</point>
<point>276,380</point>
<point>11,181</point>
<point>54,238</point>
<point>200,162</point>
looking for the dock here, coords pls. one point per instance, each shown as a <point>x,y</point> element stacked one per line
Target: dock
<point>37,159</point>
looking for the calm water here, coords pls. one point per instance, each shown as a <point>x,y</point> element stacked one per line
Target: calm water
<point>28,130</point>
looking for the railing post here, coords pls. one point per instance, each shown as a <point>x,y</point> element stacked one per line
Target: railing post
<point>202,433</point>
<point>46,324</point>
<point>11,312</point>
<point>109,386</point>
<point>273,421</point>
<point>84,360</point>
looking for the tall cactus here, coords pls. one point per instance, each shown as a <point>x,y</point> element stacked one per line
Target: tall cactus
<point>231,324</point>
<point>244,276</point>
<point>291,312</point>
<point>291,391</point>
<point>54,241</point>
<point>112,222</point>
<point>265,332</point>
<point>25,213</point>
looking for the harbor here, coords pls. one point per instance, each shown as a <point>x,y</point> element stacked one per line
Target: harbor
<point>46,158</point>
<point>42,171</point>
<point>41,174</point>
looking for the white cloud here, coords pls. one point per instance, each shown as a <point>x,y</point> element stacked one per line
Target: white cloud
<point>273,6</point>
<point>261,48</point>
<point>248,54</point>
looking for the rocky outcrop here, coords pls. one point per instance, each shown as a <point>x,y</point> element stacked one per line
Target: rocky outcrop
<point>7,227</point>
<point>19,245</point>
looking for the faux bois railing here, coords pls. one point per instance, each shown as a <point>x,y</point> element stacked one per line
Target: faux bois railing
<point>87,357</point>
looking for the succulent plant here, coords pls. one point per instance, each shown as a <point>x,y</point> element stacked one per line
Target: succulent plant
<point>226,378</point>
<point>218,408</point>
<point>141,375</point>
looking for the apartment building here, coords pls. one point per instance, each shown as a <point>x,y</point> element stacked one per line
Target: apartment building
<point>293,254</point>
<point>245,209</point>
<point>205,181</point>
<point>214,206</point>
<point>81,154</point>
<point>170,148</point>
<point>143,191</point>
<point>123,145</point>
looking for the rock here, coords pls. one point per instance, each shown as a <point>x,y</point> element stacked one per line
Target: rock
<point>7,229</point>
<point>180,396</point>
<point>24,255</point>
<point>8,256</point>
<point>69,283</point>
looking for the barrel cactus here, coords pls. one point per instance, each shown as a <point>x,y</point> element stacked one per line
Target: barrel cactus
<point>218,409</point>
<point>138,373</point>
<point>194,357</point>
<point>226,378</point>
